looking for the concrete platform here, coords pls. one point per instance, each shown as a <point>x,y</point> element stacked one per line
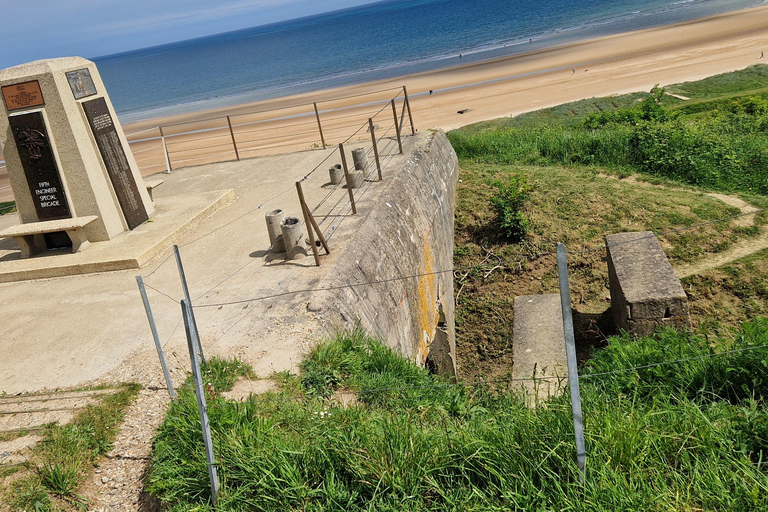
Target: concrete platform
<point>74,330</point>
<point>174,216</point>
<point>539,346</point>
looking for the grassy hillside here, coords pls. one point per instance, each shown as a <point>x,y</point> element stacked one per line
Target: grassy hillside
<point>600,166</point>
<point>690,435</point>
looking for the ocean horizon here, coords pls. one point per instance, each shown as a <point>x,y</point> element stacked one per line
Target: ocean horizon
<point>371,42</point>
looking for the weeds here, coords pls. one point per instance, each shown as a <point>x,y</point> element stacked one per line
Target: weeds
<point>61,460</point>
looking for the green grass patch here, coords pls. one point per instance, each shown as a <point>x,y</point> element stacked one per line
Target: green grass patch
<point>7,207</point>
<point>62,460</point>
<point>690,436</point>
<point>750,80</point>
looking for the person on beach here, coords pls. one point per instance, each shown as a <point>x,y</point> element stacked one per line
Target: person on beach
<point>761,55</point>
<point>574,71</point>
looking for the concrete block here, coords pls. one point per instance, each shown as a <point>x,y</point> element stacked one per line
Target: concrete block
<point>645,292</point>
<point>538,348</point>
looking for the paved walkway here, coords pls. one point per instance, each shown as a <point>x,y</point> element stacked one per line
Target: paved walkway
<point>68,331</point>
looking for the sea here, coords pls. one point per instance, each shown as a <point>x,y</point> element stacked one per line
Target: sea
<point>375,41</point>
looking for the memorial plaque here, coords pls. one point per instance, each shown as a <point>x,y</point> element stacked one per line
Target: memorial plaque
<point>37,160</point>
<point>114,158</point>
<point>81,83</point>
<point>23,95</point>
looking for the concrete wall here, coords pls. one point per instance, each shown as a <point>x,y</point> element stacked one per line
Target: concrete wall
<point>408,232</point>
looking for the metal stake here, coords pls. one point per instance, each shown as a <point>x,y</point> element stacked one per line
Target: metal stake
<point>410,117</point>
<point>189,300</point>
<point>311,225</point>
<point>232,134</point>
<point>346,177</point>
<point>397,127</point>
<point>319,126</point>
<point>168,168</point>
<point>192,343</point>
<point>570,350</point>
<point>375,147</point>
<point>158,345</point>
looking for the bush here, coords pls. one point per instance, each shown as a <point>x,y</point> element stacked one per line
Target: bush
<point>508,205</point>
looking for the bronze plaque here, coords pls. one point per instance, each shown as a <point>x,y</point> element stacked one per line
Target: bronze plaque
<point>81,83</point>
<point>114,158</point>
<point>37,160</point>
<point>27,94</point>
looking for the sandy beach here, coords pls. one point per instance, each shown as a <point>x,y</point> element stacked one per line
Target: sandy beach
<point>617,64</point>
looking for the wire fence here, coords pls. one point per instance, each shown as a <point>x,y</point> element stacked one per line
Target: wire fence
<point>254,133</point>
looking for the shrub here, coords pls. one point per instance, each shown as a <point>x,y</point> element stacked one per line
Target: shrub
<point>508,205</point>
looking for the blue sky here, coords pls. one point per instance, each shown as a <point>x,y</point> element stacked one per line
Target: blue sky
<point>43,29</point>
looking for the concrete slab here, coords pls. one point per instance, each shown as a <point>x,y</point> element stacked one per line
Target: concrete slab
<point>79,329</point>
<point>539,346</point>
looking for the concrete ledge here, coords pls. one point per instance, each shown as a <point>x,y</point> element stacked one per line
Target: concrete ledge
<point>539,346</point>
<point>174,216</point>
<point>645,292</point>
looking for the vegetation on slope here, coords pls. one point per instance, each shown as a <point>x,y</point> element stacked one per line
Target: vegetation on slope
<point>689,436</point>
<point>63,459</point>
<point>667,153</point>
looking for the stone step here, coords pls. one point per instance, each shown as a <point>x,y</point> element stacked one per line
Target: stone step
<point>539,347</point>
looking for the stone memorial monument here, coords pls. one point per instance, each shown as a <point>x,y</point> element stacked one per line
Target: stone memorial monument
<point>71,170</point>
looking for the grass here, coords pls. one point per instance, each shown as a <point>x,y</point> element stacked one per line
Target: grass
<point>630,163</point>
<point>61,461</point>
<point>690,436</point>
<point>576,206</point>
<point>7,207</point>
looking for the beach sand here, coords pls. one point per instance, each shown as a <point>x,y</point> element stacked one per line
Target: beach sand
<point>617,64</point>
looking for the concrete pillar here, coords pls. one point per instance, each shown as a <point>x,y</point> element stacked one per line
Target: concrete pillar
<point>274,221</point>
<point>293,238</point>
<point>337,174</point>
<point>360,158</point>
<point>355,179</point>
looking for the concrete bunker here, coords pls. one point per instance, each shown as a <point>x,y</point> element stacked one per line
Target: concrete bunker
<point>645,292</point>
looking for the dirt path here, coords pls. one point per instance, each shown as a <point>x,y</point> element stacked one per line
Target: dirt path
<point>739,250</point>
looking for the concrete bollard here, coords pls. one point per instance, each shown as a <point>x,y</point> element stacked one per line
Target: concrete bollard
<point>274,220</point>
<point>355,179</point>
<point>337,174</point>
<point>360,158</point>
<point>293,238</point>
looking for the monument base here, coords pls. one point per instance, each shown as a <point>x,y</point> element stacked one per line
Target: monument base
<point>174,216</point>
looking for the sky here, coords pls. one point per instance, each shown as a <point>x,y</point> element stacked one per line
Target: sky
<point>43,29</point>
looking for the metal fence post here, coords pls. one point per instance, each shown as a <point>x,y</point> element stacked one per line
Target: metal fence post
<point>570,350</point>
<point>232,134</point>
<point>397,126</point>
<point>346,177</point>
<point>189,300</point>
<point>410,117</point>
<point>375,146</point>
<point>168,167</point>
<point>308,223</point>
<point>319,126</point>
<point>158,345</point>
<point>192,343</point>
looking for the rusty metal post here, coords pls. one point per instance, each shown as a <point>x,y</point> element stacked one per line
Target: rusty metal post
<point>312,226</point>
<point>408,104</point>
<point>346,177</point>
<point>319,126</point>
<point>168,168</point>
<point>375,148</point>
<point>232,134</point>
<point>397,126</point>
